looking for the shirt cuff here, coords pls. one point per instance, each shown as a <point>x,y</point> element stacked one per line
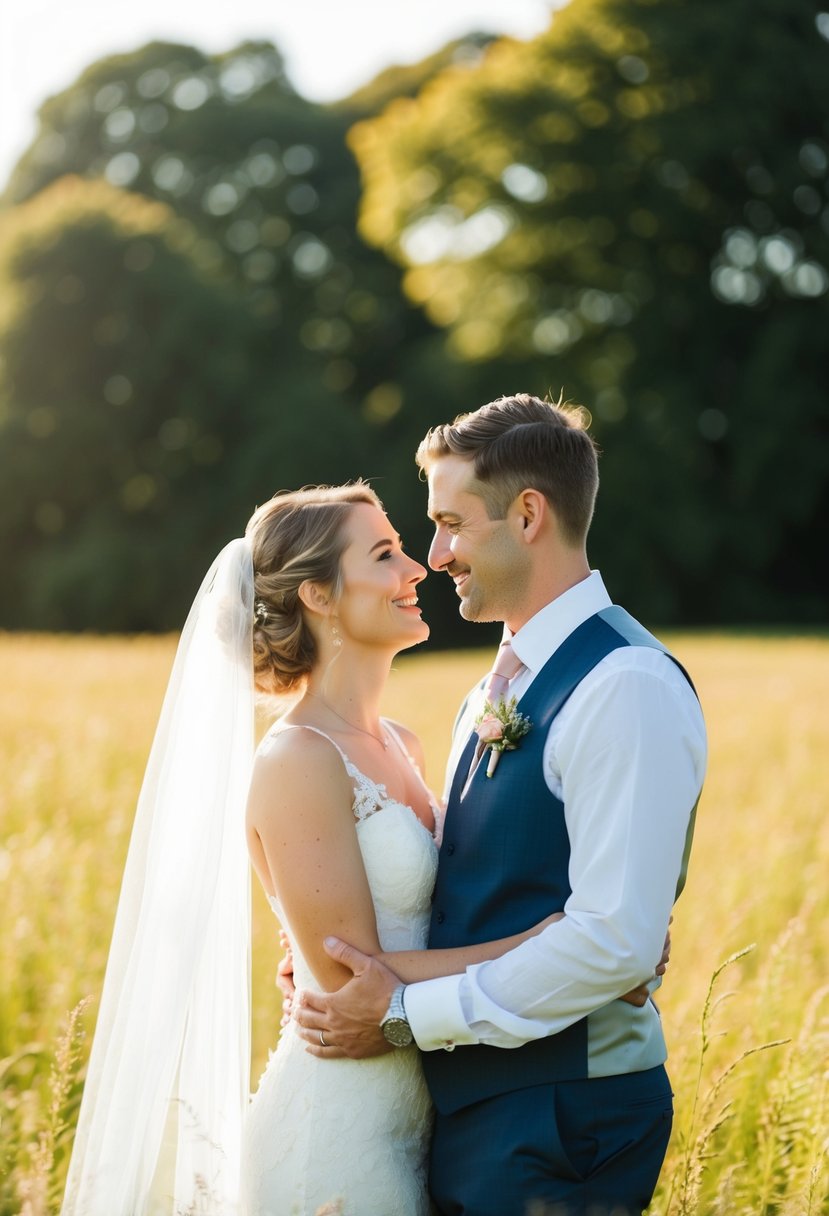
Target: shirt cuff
<point>435,1014</point>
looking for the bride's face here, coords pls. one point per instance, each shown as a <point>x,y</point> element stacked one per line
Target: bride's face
<point>378,603</point>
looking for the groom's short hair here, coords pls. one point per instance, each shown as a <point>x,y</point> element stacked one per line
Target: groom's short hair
<point>519,443</point>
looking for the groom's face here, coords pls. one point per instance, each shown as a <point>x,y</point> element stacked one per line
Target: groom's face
<point>481,555</point>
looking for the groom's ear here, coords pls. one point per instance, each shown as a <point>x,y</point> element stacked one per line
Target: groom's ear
<point>315,597</point>
<point>532,511</point>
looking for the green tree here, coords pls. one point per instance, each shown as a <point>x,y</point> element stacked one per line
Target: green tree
<point>633,205</point>
<point>128,401</point>
<point>263,175</point>
<point>253,195</point>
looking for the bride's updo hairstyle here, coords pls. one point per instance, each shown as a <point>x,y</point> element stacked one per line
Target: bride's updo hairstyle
<point>295,536</point>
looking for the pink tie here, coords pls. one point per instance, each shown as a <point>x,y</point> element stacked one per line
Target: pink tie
<point>507,666</point>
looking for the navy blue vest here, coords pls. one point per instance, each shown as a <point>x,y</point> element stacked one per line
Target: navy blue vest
<point>504,866</point>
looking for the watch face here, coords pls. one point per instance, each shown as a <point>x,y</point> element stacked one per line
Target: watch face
<point>398,1032</point>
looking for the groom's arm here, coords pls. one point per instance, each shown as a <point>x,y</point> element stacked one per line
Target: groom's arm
<point>631,763</point>
<point>350,1018</point>
<point>631,760</point>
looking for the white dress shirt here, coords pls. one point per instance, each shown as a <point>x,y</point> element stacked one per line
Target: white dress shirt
<point>627,755</point>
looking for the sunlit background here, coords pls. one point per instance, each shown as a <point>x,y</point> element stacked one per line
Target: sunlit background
<point>242,250</point>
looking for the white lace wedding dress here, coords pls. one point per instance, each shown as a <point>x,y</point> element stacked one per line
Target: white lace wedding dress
<point>351,1137</point>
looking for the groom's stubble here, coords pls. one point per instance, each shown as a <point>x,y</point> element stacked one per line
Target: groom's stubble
<point>499,572</point>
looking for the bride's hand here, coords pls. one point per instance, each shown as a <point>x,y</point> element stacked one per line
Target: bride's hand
<point>285,978</point>
<point>662,965</point>
<point>640,996</point>
<point>348,1020</point>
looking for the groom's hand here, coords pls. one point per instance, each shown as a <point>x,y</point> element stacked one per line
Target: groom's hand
<point>349,1018</point>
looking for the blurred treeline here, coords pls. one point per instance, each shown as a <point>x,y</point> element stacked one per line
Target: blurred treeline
<point>212,288</point>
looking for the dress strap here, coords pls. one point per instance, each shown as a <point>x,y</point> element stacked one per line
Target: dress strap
<point>351,769</point>
<point>392,730</point>
<point>398,738</point>
<point>437,810</point>
<point>369,795</point>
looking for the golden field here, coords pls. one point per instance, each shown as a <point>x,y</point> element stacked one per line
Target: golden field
<point>752,1129</point>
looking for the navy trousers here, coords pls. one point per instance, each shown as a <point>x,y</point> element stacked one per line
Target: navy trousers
<point>575,1148</point>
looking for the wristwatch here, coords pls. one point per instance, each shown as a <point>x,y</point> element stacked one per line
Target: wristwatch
<point>395,1025</point>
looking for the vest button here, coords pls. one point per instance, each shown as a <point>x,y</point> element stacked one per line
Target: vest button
<point>441,917</point>
<point>450,849</point>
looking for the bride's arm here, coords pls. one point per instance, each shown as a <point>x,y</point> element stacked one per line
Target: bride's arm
<point>414,965</point>
<point>300,829</point>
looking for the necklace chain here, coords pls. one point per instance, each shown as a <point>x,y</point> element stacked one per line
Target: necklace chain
<point>379,739</point>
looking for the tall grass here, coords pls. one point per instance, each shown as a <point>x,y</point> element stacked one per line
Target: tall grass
<point>745,1002</point>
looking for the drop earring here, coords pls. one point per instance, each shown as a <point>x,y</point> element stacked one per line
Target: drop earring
<point>336,640</point>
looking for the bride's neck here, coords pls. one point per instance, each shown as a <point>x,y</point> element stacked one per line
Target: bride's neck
<point>352,685</point>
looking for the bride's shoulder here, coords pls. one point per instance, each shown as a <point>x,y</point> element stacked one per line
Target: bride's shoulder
<point>287,744</point>
<point>292,757</point>
<point>297,777</point>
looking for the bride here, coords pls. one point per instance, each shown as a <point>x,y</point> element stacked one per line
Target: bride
<point>315,601</point>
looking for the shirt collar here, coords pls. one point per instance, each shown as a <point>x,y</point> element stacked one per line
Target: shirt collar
<point>538,639</point>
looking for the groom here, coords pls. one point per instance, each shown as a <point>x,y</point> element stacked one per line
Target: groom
<point>550,1093</point>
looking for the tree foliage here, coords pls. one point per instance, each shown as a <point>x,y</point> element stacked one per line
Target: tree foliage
<point>631,207</point>
<point>634,205</point>
<point>181,238</point>
<point>122,368</point>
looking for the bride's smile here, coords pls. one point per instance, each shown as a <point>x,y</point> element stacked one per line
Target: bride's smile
<point>378,604</point>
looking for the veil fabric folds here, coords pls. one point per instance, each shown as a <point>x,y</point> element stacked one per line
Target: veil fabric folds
<point>159,1131</point>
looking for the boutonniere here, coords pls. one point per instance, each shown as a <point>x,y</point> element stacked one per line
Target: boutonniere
<point>500,728</point>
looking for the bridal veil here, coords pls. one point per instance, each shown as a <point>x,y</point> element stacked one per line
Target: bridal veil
<point>159,1131</point>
